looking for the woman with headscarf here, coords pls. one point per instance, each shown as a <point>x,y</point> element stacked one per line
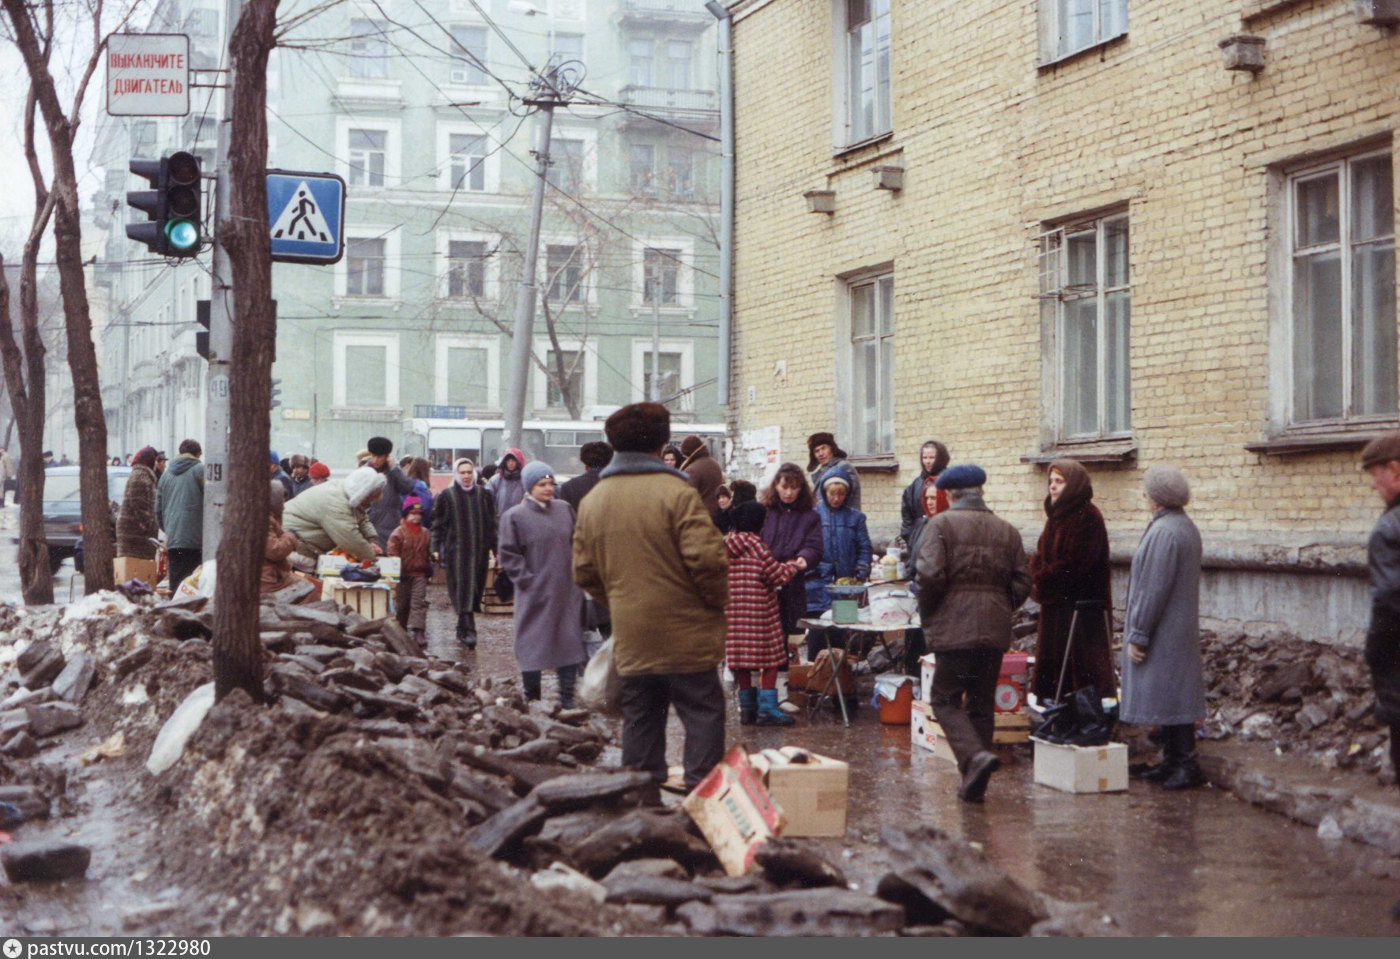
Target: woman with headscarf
<point>792,531</point>
<point>463,536</point>
<point>508,490</point>
<point>933,460</point>
<point>1069,574</point>
<point>933,502</point>
<point>136,523</point>
<point>671,456</point>
<point>1163,680</point>
<point>536,550</point>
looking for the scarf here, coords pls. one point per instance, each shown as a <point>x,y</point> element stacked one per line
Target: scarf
<point>457,478</point>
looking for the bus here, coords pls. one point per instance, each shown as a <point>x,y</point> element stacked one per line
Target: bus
<point>442,439</point>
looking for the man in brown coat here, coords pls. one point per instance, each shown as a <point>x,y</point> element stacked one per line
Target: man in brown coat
<point>646,548</point>
<point>971,575</point>
<point>701,471</point>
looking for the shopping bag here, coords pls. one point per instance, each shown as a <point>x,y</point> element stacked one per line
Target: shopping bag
<point>601,687</point>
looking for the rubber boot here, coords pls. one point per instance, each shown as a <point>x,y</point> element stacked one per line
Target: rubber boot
<point>768,712</point>
<point>748,706</point>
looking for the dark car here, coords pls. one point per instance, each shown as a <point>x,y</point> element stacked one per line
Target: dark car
<point>63,512</point>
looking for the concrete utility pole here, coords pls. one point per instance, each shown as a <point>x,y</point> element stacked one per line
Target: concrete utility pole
<point>522,340</point>
<point>216,415</point>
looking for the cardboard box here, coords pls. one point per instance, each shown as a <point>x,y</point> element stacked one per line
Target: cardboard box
<point>1082,769</point>
<point>370,600</point>
<point>810,789</point>
<point>734,811</point>
<point>924,732</point>
<point>926,677</point>
<point>1011,728</point>
<point>129,567</point>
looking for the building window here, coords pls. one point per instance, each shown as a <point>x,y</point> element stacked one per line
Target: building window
<point>466,268</point>
<point>568,46</point>
<point>364,266</point>
<point>467,371</point>
<point>668,376</point>
<point>468,161</point>
<point>566,165</point>
<point>564,272</point>
<point>661,277</point>
<point>1068,26</point>
<point>639,71</point>
<point>678,64</point>
<point>872,364</point>
<point>1342,261</point>
<point>469,55</point>
<point>369,50</point>
<point>366,369</point>
<point>574,369</point>
<point>680,173</point>
<point>1084,288</point>
<point>867,64</point>
<point>367,150</point>
<point>676,373</point>
<point>642,160</point>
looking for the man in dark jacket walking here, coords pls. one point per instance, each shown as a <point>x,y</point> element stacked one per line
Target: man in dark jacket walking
<point>1381,458</point>
<point>180,507</point>
<point>384,514</point>
<point>594,457</point>
<point>971,575</point>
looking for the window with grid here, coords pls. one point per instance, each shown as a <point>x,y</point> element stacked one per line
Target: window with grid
<point>468,376</point>
<point>468,167</point>
<point>668,377</point>
<point>564,269</point>
<point>369,50</point>
<point>568,46</point>
<point>367,148</point>
<point>366,375</point>
<point>565,164</point>
<point>678,64</point>
<point>639,53</point>
<point>1342,261</point>
<point>466,268</point>
<point>661,275</point>
<point>469,55</point>
<point>1084,287</point>
<point>1068,26</point>
<point>871,301</point>
<point>867,64</point>
<point>680,172</point>
<point>554,398</point>
<point>364,266</point>
<point>642,166</point>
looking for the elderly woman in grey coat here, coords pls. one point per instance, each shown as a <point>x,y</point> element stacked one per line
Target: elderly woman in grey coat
<point>1163,681</point>
<point>536,549</point>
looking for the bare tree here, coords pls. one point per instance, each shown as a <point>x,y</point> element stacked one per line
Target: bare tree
<point>31,26</point>
<point>245,234</point>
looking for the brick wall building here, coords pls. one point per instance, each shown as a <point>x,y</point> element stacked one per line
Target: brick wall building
<point>1064,227</point>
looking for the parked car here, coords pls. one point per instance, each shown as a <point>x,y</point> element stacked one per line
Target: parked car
<point>63,513</point>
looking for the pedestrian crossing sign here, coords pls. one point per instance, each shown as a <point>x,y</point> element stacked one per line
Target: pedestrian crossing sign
<point>306,214</point>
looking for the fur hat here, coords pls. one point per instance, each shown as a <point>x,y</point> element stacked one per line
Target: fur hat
<point>1166,486</point>
<point>747,517</point>
<point>298,460</point>
<point>319,470</point>
<point>690,444</point>
<point>595,455</point>
<point>1382,449</point>
<point>379,446</point>
<point>533,472</point>
<point>362,483</point>
<point>639,428</point>
<point>146,456</point>
<point>818,439</point>
<point>962,476</point>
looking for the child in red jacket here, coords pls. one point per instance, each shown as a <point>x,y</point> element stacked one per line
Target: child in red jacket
<point>410,542</point>
<point>754,639</point>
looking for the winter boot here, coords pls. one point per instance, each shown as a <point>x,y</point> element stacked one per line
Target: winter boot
<point>1186,776</point>
<point>979,772</point>
<point>768,712</point>
<point>748,706</point>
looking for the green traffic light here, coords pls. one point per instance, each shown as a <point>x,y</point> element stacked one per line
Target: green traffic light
<point>182,235</point>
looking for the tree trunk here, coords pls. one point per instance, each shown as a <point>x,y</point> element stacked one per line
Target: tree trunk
<point>237,649</point>
<point>99,539</point>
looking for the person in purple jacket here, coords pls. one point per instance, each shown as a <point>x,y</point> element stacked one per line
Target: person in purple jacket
<point>792,531</point>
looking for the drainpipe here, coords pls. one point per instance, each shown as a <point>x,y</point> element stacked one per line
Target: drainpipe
<point>726,192</point>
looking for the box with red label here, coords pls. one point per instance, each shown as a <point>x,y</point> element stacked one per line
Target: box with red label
<point>925,733</point>
<point>734,811</point>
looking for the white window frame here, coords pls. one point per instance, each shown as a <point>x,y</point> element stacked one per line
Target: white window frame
<point>390,342</point>
<point>491,165</point>
<point>457,67</point>
<point>393,175</point>
<point>1054,293</point>
<point>491,280</point>
<point>390,236</point>
<point>849,409</point>
<point>491,344</point>
<point>685,280</point>
<point>641,365</point>
<point>589,138</point>
<point>355,61</point>
<point>845,133</point>
<point>671,64</point>
<point>590,279</point>
<point>1051,30</point>
<point>590,371</point>
<point>649,61</point>
<point>581,56</point>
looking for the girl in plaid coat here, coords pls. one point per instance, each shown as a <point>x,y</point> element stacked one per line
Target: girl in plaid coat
<point>754,639</point>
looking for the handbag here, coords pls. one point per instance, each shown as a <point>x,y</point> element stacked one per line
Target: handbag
<point>601,686</point>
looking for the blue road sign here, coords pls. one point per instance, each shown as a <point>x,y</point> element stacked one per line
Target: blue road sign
<point>306,212</point>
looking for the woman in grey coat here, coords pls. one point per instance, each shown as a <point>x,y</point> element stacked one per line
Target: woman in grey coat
<point>536,549</point>
<point>1163,681</point>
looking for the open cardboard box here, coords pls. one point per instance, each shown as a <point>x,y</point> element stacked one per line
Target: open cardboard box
<point>811,789</point>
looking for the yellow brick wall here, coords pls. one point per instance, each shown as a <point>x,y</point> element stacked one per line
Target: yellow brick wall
<point>993,147</point>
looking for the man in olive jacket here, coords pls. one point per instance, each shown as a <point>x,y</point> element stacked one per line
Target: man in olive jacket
<point>971,574</point>
<point>646,548</point>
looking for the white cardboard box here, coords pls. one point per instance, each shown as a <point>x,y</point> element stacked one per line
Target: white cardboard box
<point>926,677</point>
<point>925,733</point>
<point>811,793</point>
<point>1082,769</point>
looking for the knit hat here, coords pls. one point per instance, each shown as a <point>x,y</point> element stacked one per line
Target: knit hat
<point>319,471</point>
<point>146,457</point>
<point>1382,449</point>
<point>411,504</point>
<point>533,472</point>
<point>379,446</point>
<point>747,517</point>
<point>362,483</point>
<point>1165,486</point>
<point>819,439</point>
<point>638,428</point>
<point>962,476</point>
<point>273,458</point>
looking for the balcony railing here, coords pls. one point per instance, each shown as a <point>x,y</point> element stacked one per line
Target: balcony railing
<point>694,105</point>
<point>690,13</point>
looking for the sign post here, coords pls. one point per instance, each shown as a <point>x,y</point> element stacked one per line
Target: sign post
<point>148,75</point>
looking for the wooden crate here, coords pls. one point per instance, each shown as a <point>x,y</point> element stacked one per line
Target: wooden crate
<point>371,602</point>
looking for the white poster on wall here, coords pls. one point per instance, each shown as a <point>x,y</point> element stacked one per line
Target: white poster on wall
<point>757,455</point>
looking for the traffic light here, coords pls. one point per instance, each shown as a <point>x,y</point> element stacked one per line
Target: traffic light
<point>276,393</point>
<point>172,207</point>
<point>201,337</point>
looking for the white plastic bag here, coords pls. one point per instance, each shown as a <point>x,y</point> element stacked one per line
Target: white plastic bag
<point>170,741</point>
<point>601,687</point>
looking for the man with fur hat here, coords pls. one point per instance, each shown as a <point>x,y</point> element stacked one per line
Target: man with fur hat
<point>971,575</point>
<point>645,548</point>
<point>384,514</point>
<point>1381,458</point>
<point>824,456</point>
<point>301,481</point>
<point>701,471</point>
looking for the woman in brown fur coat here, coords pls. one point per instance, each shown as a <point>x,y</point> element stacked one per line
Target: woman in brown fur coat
<point>1070,565</point>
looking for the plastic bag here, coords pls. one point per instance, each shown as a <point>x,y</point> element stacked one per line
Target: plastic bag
<point>170,741</point>
<point>601,687</point>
